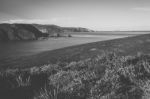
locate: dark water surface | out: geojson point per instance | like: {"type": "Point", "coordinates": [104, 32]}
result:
{"type": "Point", "coordinates": [16, 49]}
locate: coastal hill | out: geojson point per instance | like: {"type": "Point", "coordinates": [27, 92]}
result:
{"type": "Point", "coordinates": [52, 29]}
{"type": "Point", "coordinates": [19, 32]}
{"type": "Point", "coordinates": [33, 31]}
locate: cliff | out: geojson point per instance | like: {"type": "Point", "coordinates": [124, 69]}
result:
{"type": "Point", "coordinates": [19, 32]}
{"type": "Point", "coordinates": [34, 31]}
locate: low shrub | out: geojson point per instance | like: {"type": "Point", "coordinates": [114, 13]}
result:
{"type": "Point", "coordinates": [103, 77]}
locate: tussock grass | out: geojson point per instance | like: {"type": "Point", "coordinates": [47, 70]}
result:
{"type": "Point", "coordinates": [106, 76]}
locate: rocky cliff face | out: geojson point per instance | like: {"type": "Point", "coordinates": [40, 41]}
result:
{"type": "Point", "coordinates": [19, 32]}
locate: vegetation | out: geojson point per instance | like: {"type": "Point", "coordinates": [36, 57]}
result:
{"type": "Point", "coordinates": [123, 46]}
{"type": "Point", "coordinates": [114, 69]}
{"type": "Point", "coordinates": [106, 76]}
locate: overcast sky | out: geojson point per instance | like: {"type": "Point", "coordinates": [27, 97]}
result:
{"type": "Point", "coordinates": [93, 14]}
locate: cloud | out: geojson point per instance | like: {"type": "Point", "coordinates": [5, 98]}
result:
{"type": "Point", "coordinates": [40, 21]}
{"type": "Point", "coordinates": [142, 8]}
{"type": "Point", "coordinates": [24, 21]}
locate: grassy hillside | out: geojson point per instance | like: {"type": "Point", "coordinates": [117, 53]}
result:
{"type": "Point", "coordinates": [114, 69]}
{"type": "Point", "coordinates": [124, 46]}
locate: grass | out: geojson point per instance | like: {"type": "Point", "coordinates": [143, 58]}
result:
{"type": "Point", "coordinates": [106, 76]}
{"type": "Point", "coordinates": [47, 93]}
{"type": "Point", "coordinates": [80, 73]}
{"type": "Point", "coordinates": [123, 46]}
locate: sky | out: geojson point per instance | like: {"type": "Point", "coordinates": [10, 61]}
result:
{"type": "Point", "coordinates": [92, 14]}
